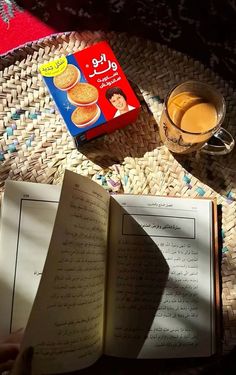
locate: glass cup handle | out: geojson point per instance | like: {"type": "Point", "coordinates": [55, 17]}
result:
{"type": "Point", "coordinates": [227, 143]}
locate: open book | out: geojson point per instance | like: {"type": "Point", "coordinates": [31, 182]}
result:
{"type": "Point", "coordinates": [27, 219]}
{"type": "Point", "coordinates": [125, 275]}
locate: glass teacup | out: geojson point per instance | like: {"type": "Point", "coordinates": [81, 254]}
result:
{"type": "Point", "coordinates": [193, 113]}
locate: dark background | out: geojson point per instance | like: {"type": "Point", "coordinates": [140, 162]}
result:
{"type": "Point", "coordinates": [203, 29]}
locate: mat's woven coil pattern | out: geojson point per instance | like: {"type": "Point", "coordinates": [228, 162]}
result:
{"type": "Point", "coordinates": [35, 145]}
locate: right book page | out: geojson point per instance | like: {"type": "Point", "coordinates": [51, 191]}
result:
{"type": "Point", "coordinates": [160, 283]}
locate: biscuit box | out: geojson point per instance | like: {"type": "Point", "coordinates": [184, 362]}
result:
{"type": "Point", "coordinates": [91, 92]}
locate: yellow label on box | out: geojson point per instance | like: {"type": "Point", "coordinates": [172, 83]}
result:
{"type": "Point", "coordinates": [53, 68]}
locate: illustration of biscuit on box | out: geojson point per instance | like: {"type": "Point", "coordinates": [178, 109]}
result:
{"type": "Point", "coordinates": [91, 92]}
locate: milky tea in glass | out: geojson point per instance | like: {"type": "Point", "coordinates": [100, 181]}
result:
{"type": "Point", "coordinates": [193, 113]}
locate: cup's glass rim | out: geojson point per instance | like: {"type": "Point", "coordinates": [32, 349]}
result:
{"type": "Point", "coordinates": [203, 84]}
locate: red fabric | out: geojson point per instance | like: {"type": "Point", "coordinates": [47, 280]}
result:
{"type": "Point", "coordinates": [24, 27]}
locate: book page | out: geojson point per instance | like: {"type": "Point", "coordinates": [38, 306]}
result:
{"type": "Point", "coordinates": [161, 294]}
{"type": "Point", "coordinates": [66, 323]}
{"type": "Point", "coordinates": [28, 214]}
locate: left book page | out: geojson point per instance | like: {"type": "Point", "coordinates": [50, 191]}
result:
{"type": "Point", "coordinates": [66, 322]}
{"type": "Point", "coordinates": [27, 218]}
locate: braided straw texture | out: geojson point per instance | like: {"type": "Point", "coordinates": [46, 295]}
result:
{"type": "Point", "coordinates": [35, 145]}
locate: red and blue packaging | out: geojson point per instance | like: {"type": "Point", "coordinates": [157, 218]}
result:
{"type": "Point", "coordinates": [91, 92]}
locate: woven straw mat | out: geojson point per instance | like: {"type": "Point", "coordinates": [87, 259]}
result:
{"type": "Point", "coordinates": [35, 145]}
